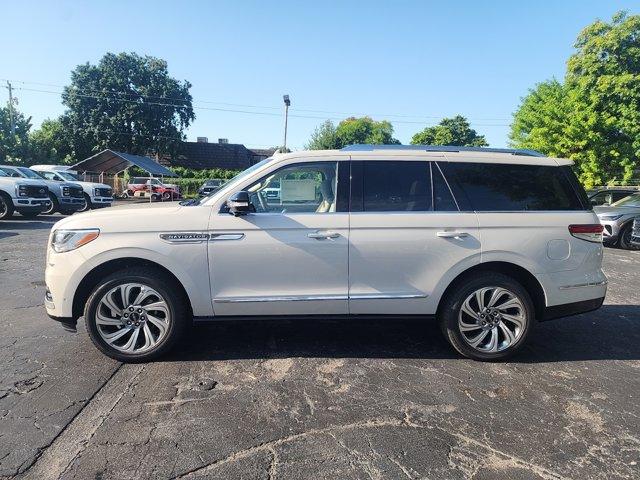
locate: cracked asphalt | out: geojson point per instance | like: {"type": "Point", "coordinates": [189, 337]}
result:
{"type": "Point", "coordinates": [324, 399]}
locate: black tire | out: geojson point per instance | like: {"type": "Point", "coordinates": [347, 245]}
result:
{"type": "Point", "coordinates": [449, 311]}
{"type": "Point", "coordinates": [54, 205]}
{"type": "Point", "coordinates": [87, 204]}
{"type": "Point", "coordinates": [166, 196]}
{"type": "Point", "coordinates": [159, 282]}
{"type": "Point", "coordinates": [6, 206]}
{"type": "Point", "coordinates": [625, 238]}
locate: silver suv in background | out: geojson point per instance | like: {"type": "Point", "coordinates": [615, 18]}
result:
{"type": "Point", "coordinates": [617, 220]}
{"type": "Point", "coordinates": [27, 197]}
{"type": "Point", "coordinates": [64, 197]}
{"type": "Point", "coordinates": [96, 195]}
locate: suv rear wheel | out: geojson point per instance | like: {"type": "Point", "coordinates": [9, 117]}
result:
{"type": "Point", "coordinates": [489, 316]}
{"type": "Point", "coordinates": [133, 316]}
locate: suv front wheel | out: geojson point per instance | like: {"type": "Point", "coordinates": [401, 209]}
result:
{"type": "Point", "coordinates": [487, 317]}
{"type": "Point", "coordinates": [134, 316]}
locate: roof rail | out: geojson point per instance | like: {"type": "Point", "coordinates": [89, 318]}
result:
{"type": "Point", "coordinates": [440, 148]}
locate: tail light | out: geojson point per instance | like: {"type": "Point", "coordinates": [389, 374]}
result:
{"type": "Point", "coordinates": [588, 232]}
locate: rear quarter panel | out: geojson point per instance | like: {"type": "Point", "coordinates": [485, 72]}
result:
{"type": "Point", "coordinates": [541, 243]}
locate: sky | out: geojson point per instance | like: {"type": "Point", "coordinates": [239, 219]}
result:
{"type": "Point", "coordinates": [409, 62]}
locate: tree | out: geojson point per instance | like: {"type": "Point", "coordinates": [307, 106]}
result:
{"type": "Point", "coordinates": [323, 137]}
{"type": "Point", "coordinates": [128, 103]}
{"type": "Point", "coordinates": [593, 117]}
{"type": "Point", "coordinates": [351, 131]}
{"type": "Point", "coordinates": [450, 131]}
{"type": "Point", "coordinates": [50, 143]}
{"type": "Point", "coordinates": [14, 146]}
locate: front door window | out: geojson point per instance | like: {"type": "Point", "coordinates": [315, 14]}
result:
{"type": "Point", "coordinates": [301, 188]}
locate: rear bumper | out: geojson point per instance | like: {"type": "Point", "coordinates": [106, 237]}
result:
{"type": "Point", "coordinates": [559, 311]}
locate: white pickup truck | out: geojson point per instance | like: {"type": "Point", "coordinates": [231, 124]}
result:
{"type": "Point", "coordinates": [25, 196]}
{"type": "Point", "coordinates": [96, 195]}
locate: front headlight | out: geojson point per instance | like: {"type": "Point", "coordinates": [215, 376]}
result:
{"type": "Point", "coordinates": [67, 240]}
{"type": "Point", "coordinates": [96, 192]}
{"type": "Point", "coordinates": [609, 218]}
{"type": "Point", "coordinates": [65, 191]}
{"type": "Point", "coordinates": [21, 190]}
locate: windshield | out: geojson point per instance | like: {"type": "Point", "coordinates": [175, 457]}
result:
{"type": "Point", "coordinates": [67, 175]}
{"type": "Point", "coordinates": [630, 201]}
{"type": "Point", "coordinates": [231, 183]}
{"type": "Point", "coordinates": [2, 173]}
{"type": "Point", "coordinates": [27, 172]}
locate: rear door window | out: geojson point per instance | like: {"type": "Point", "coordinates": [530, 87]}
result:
{"type": "Point", "coordinates": [509, 187]}
{"type": "Point", "coordinates": [396, 186]}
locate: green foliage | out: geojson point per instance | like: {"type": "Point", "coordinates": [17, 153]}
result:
{"type": "Point", "coordinates": [14, 147]}
{"type": "Point", "coordinates": [593, 117]}
{"type": "Point", "coordinates": [450, 131]}
{"type": "Point", "coordinates": [127, 103]}
{"type": "Point", "coordinates": [351, 131]}
{"type": "Point", "coordinates": [50, 144]}
{"type": "Point", "coordinates": [206, 174]}
{"type": "Point", "coordinates": [364, 130]}
{"type": "Point", "coordinates": [323, 137]}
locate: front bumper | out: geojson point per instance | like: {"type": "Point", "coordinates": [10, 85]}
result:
{"type": "Point", "coordinates": [101, 202]}
{"type": "Point", "coordinates": [611, 231]}
{"type": "Point", "coordinates": [71, 204]}
{"type": "Point", "coordinates": [31, 205]}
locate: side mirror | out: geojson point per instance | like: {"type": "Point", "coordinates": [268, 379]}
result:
{"type": "Point", "coordinates": [239, 204]}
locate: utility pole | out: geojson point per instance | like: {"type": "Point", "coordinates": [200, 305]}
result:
{"type": "Point", "coordinates": [287, 103]}
{"type": "Point", "coordinates": [11, 116]}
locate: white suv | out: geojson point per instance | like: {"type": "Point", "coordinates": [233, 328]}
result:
{"type": "Point", "coordinates": [487, 241]}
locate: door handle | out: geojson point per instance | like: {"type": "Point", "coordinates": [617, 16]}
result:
{"type": "Point", "coordinates": [447, 234]}
{"type": "Point", "coordinates": [323, 235]}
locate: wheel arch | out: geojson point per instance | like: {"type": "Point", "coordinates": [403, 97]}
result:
{"type": "Point", "coordinates": [91, 279]}
{"type": "Point", "coordinates": [517, 272]}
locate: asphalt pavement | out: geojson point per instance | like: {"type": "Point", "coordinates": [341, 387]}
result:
{"type": "Point", "coordinates": [323, 399]}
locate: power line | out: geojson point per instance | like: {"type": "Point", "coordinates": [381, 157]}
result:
{"type": "Point", "coordinates": [230, 110]}
{"type": "Point", "coordinates": [112, 95]}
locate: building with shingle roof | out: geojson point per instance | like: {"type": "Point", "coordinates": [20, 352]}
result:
{"type": "Point", "coordinates": [204, 155]}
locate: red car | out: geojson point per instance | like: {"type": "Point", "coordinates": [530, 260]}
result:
{"type": "Point", "coordinates": [159, 190]}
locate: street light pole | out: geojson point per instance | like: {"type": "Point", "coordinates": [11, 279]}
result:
{"type": "Point", "coordinates": [287, 103]}
{"type": "Point", "coordinates": [11, 116]}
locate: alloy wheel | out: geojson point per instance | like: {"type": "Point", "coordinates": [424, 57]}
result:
{"type": "Point", "coordinates": [492, 319]}
{"type": "Point", "coordinates": [133, 318]}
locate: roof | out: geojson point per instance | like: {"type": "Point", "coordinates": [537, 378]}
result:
{"type": "Point", "coordinates": [441, 148]}
{"type": "Point", "coordinates": [455, 154]}
{"type": "Point", "coordinates": [204, 155]}
{"type": "Point", "coordinates": [110, 161]}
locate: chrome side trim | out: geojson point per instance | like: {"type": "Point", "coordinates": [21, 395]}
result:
{"type": "Point", "coordinates": [296, 298]}
{"type": "Point", "coordinates": [584, 285]}
{"type": "Point", "coordinates": [226, 236]}
{"type": "Point", "coordinates": [184, 237]}
{"type": "Point", "coordinates": [381, 296]}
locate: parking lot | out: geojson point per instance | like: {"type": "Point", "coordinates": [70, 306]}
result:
{"type": "Point", "coordinates": [323, 399]}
